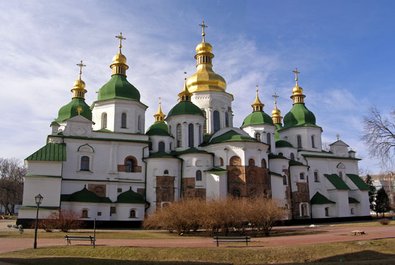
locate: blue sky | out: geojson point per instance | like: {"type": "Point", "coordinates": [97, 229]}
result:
{"type": "Point", "coordinates": [345, 51]}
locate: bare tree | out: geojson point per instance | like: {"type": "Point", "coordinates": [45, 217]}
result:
{"type": "Point", "coordinates": [379, 135]}
{"type": "Point", "coordinates": [11, 183]}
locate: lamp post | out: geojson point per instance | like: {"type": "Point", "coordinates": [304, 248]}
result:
{"type": "Point", "coordinates": [38, 198]}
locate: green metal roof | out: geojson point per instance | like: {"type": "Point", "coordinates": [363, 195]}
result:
{"type": "Point", "coordinates": [352, 200]}
{"type": "Point", "coordinates": [299, 115]}
{"type": "Point", "coordinates": [231, 136]}
{"type": "Point", "coordinates": [130, 197]}
{"type": "Point", "coordinates": [161, 155]}
{"type": "Point", "coordinates": [337, 181]}
{"type": "Point", "coordinates": [191, 150]}
{"type": "Point", "coordinates": [216, 169]}
{"type": "Point", "coordinates": [158, 128]}
{"type": "Point", "coordinates": [185, 107]}
{"type": "Point", "coordinates": [118, 87]}
{"type": "Point", "coordinates": [318, 198]}
{"type": "Point", "coordinates": [283, 143]}
{"type": "Point", "coordinates": [257, 118]}
{"type": "Point", "coordinates": [50, 152]}
{"type": "Point", "coordinates": [84, 195]}
{"type": "Point", "coordinates": [75, 107]}
{"type": "Point", "coordinates": [295, 163]}
{"type": "Point", "coordinates": [358, 182]}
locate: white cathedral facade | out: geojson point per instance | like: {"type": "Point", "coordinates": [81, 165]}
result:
{"type": "Point", "coordinates": [100, 163]}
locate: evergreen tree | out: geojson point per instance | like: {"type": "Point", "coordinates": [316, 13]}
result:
{"type": "Point", "coordinates": [382, 202]}
{"type": "Point", "coordinates": [371, 192]}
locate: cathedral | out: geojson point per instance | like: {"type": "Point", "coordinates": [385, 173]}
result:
{"type": "Point", "coordinates": [100, 163]}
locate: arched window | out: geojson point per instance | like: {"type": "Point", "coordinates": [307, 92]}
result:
{"type": "Point", "coordinates": [191, 135]}
{"type": "Point", "coordinates": [258, 136]}
{"type": "Point", "coordinates": [316, 176]}
{"type": "Point", "coordinates": [326, 211]}
{"type": "Point", "coordinates": [130, 164]}
{"type": "Point", "coordinates": [217, 124]}
{"type": "Point", "coordinates": [235, 161]}
{"type": "Point", "coordinates": [123, 120]}
{"type": "Point", "coordinates": [198, 175]}
{"type": "Point", "coordinates": [200, 134]}
{"type": "Point", "coordinates": [132, 213]}
{"type": "Point", "coordinates": [178, 135]}
{"type": "Point", "coordinates": [263, 163]}
{"type": "Point", "coordinates": [84, 213]}
{"type": "Point", "coordinates": [226, 119]}
{"type": "Point", "coordinates": [104, 120]}
{"type": "Point", "coordinates": [221, 162]}
{"type": "Point", "coordinates": [161, 146]}
{"type": "Point", "coordinates": [84, 163]}
{"type": "Point", "coordinates": [340, 169]}
{"type": "Point", "coordinates": [268, 139]}
{"type": "Point", "coordinates": [166, 172]}
{"type": "Point", "coordinates": [292, 156]}
{"type": "Point", "coordinates": [312, 141]}
{"type": "Point", "coordinates": [303, 210]}
{"type": "Point", "coordinates": [301, 176]}
{"type": "Point", "coordinates": [251, 162]}
{"type": "Point", "coordinates": [299, 141]}
{"type": "Point", "coordinates": [352, 211]}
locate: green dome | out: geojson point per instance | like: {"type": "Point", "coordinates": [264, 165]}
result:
{"type": "Point", "coordinates": [130, 197]}
{"type": "Point", "coordinates": [84, 195]}
{"type": "Point", "coordinates": [257, 118]}
{"type": "Point", "coordinates": [185, 107]}
{"type": "Point", "coordinates": [299, 115]}
{"type": "Point", "coordinates": [158, 128]}
{"type": "Point", "coordinates": [118, 88]}
{"type": "Point", "coordinates": [76, 105]}
{"type": "Point", "coordinates": [283, 143]}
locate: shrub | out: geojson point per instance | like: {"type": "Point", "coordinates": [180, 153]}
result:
{"type": "Point", "coordinates": [63, 220]}
{"type": "Point", "coordinates": [384, 221]}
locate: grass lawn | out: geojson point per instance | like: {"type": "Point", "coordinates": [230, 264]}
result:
{"type": "Point", "coordinates": [358, 252]}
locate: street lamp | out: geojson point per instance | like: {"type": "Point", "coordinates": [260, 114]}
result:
{"type": "Point", "coordinates": [38, 198]}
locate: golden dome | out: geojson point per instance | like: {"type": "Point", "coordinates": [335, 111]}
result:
{"type": "Point", "coordinates": [78, 89]}
{"type": "Point", "coordinates": [257, 105]}
{"type": "Point", "coordinates": [159, 115]}
{"type": "Point", "coordinates": [205, 79]}
{"type": "Point", "coordinates": [276, 113]}
{"type": "Point", "coordinates": [297, 91]}
{"type": "Point", "coordinates": [119, 58]}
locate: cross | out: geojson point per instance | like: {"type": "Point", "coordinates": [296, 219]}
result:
{"type": "Point", "coordinates": [80, 65]}
{"type": "Point", "coordinates": [338, 136]}
{"type": "Point", "coordinates": [160, 101]}
{"type": "Point", "coordinates": [203, 33]}
{"type": "Point", "coordinates": [185, 76]}
{"type": "Point", "coordinates": [275, 96]}
{"type": "Point", "coordinates": [296, 72]}
{"type": "Point", "coordinates": [121, 38]}
{"type": "Point", "coordinates": [257, 89]}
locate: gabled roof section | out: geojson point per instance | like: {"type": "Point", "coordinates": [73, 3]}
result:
{"type": "Point", "coordinates": [84, 195]}
{"type": "Point", "coordinates": [337, 181]}
{"type": "Point", "coordinates": [339, 142]}
{"type": "Point", "coordinates": [49, 152]}
{"type": "Point", "coordinates": [358, 181]}
{"type": "Point", "coordinates": [318, 198]}
{"type": "Point", "coordinates": [231, 136]}
{"type": "Point", "coordinates": [130, 197]}
{"type": "Point", "coordinates": [352, 200]}
{"type": "Point", "coordinates": [191, 150]}
{"type": "Point", "coordinates": [295, 163]}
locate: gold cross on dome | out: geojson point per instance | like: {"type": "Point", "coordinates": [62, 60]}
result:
{"type": "Point", "coordinates": [121, 38]}
{"type": "Point", "coordinates": [257, 88]}
{"type": "Point", "coordinates": [203, 31]}
{"type": "Point", "coordinates": [80, 65]}
{"type": "Point", "coordinates": [296, 72]}
{"type": "Point", "coordinates": [275, 96]}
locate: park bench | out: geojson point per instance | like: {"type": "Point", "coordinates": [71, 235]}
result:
{"type": "Point", "coordinates": [91, 239]}
{"type": "Point", "coordinates": [358, 232]}
{"type": "Point", "coordinates": [221, 239]}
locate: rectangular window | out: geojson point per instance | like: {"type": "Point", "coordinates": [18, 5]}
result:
{"type": "Point", "coordinates": [119, 190]}
{"type": "Point", "coordinates": [98, 213]}
{"type": "Point", "coordinates": [113, 210]}
{"type": "Point", "coordinates": [326, 211]}
{"type": "Point", "coordinates": [316, 177]}
{"type": "Point", "coordinates": [299, 140]}
{"type": "Point", "coordinates": [301, 176]}
{"type": "Point", "coordinates": [312, 141]}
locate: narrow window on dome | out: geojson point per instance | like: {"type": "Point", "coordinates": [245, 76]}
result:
{"type": "Point", "coordinates": [216, 121]}
{"type": "Point", "coordinates": [191, 135]}
{"type": "Point", "coordinates": [299, 140]}
{"type": "Point", "coordinates": [123, 120]}
{"type": "Point", "coordinates": [161, 146]}
{"type": "Point", "coordinates": [104, 120]}
{"type": "Point", "coordinates": [178, 135]}
{"type": "Point", "coordinates": [312, 141]}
